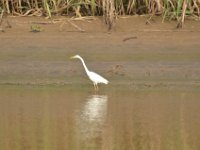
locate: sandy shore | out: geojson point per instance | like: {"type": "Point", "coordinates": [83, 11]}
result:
{"type": "Point", "coordinates": [133, 53]}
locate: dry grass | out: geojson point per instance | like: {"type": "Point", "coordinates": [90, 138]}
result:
{"type": "Point", "coordinates": [169, 9]}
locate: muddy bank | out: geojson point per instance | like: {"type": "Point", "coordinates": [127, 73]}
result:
{"type": "Point", "coordinates": [133, 53]}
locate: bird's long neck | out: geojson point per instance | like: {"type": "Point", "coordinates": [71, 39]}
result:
{"type": "Point", "coordinates": [85, 67]}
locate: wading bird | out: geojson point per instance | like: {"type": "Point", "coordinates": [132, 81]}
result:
{"type": "Point", "coordinates": [94, 77]}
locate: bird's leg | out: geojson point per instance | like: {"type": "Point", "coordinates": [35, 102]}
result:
{"type": "Point", "coordinates": [95, 87]}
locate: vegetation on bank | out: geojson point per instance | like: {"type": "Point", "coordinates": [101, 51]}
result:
{"type": "Point", "coordinates": [168, 9]}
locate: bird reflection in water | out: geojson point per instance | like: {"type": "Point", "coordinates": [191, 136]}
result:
{"type": "Point", "coordinates": [91, 120]}
{"type": "Point", "coordinates": [95, 108]}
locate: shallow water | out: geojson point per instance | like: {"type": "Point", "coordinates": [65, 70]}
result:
{"type": "Point", "coordinates": [63, 118]}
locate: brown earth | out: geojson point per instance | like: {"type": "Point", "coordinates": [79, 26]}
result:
{"type": "Point", "coordinates": [133, 53]}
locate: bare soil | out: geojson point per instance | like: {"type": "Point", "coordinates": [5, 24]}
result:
{"type": "Point", "coordinates": [133, 53]}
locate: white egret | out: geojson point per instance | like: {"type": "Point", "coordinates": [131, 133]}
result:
{"type": "Point", "coordinates": [94, 77]}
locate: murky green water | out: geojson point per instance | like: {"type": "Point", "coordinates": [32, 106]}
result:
{"type": "Point", "coordinates": [63, 118]}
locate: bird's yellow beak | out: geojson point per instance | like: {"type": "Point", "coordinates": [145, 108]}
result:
{"type": "Point", "coordinates": [72, 57]}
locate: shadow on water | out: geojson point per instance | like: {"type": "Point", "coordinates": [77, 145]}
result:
{"type": "Point", "coordinates": [61, 118]}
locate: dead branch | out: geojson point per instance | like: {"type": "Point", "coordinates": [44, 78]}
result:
{"type": "Point", "coordinates": [1, 17]}
{"type": "Point", "coordinates": [109, 13]}
{"type": "Point", "coordinates": [77, 27]}
{"type": "Point", "coordinates": [181, 21]}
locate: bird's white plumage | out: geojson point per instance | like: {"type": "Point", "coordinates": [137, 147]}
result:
{"type": "Point", "coordinates": [97, 78]}
{"type": "Point", "coordinates": [94, 77]}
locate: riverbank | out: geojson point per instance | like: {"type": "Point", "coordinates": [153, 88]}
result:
{"type": "Point", "coordinates": [133, 53]}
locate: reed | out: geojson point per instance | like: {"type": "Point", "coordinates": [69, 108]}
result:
{"type": "Point", "coordinates": [169, 9]}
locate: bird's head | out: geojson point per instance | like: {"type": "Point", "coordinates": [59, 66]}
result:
{"type": "Point", "coordinates": [75, 56]}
